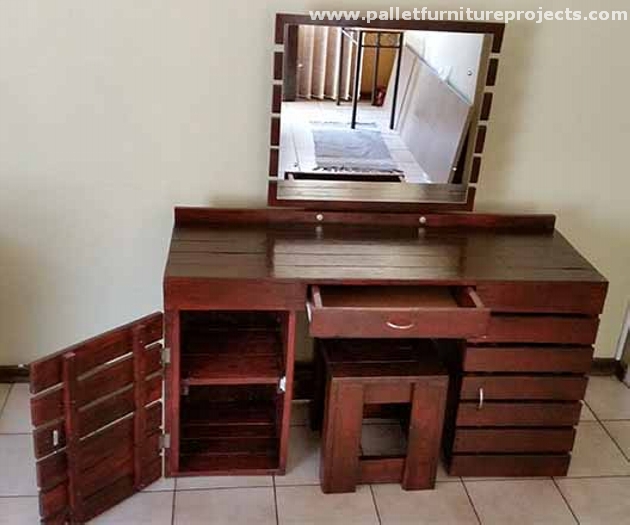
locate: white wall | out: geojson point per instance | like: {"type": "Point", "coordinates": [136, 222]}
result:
{"type": "Point", "coordinates": [112, 112]}
{"type": "Point", "coordinates": [452, 56]}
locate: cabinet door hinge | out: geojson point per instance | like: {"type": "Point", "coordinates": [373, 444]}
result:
{"type": "Point", "coordinates": [166, 356]}
{"type": "Point", "coordinates": [165, 441]}
{"type": "Point", "coordinates": [282, 385]}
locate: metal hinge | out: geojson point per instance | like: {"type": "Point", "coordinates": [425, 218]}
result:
{"type": "Point", "coordinates": [166, 356]}
{"type": "Point", "coordinates": [282, 385]}
{"type": "Point", "coordinates": [165, 441]}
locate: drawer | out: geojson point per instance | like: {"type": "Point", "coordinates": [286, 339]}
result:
{"type": "Point", "coordinates": [505, 414]}
{"type": "Point", "coordinates": [544, 329]}
{"type": "Point", "coordinates": [473, 440]}
{"type": "Point", "coordinates": [396, 312]}
{"type": "Point", "coordinates": [483, 388]}
{"type": "Point", "coordinates": [569, 359]}
{"type": "Point", "coordinates": [508, 465]}
{"type": "Point", "coordinates": [558, 298]}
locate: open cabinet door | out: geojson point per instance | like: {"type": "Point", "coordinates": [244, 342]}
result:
{"type": "Point", "coordinates": [97, 413]}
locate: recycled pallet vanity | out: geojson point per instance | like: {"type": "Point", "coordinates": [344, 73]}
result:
{"type": "Point", "coordinates": [512, 307]}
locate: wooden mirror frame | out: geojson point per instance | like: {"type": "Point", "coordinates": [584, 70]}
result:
{"type": "Point", "coordinates": [469, 166]}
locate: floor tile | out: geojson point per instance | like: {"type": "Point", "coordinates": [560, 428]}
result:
{"type": "Point", "coordinates": [447, 504]}
{"type": "Point", "coordinates": [16, 416]}
{"type": "Point", "coordinates": [381, 440]}
{"type": "Point", "coordinates": [604, 501]}
{"type": "Point", "coordinates": [608, 398]}
{"type": "Point", "coordinates": [303, 460]}
{"type": "Point", "coordinates": [225, 507]}
{"type": "Point", "coordinates": [309, 505]}
{"type": "Point", "coordinates": [161, 485]}
{"type": "Point", "coordinates": [19, 511]}
{"type": "Point", "coordinates": [223, 482]}
{"type": "Point", "coordinates": [620, 431]}
{"type": "Point", "coordinates": [587, 414]}
{"type": "Point", "coordinates": [595, 454]}
{"type": "Point", "coordinates": [519, 501]}
{"type": "Point", "coordinates": [153, 508]}
{"type": "Point", "coordinates": [17, 466]}
{"type": "Point", "coordinates": [4, 392]}
{"type": "Point", "coordinates": [299, 413]}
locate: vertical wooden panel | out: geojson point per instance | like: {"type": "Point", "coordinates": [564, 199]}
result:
{"type": "Point", "coordinates": [278, 58]}
{"type": "Point", "coordinates": [276, 99]}
{"type": "Point", "coordinates": [476, 170]}
{"type": "Point", "coordinates": [275, 131]}
{"type": "Point", "coordinates": [274, 154]}
{"type": "Point", "coordinates": [139, 417]}
{"type": "Point", "coordinates": [71, 416]}
{"type": "Point", "coordinates": [171, 422]}
{"type": "Point", "coordinates": [493, 69]}
{"type": "Point", "coordinates": [486, 106]}
{"type": "Point", "coordinates": [481, 139]}
{"type": "Point", "coordinates": [289, 361]}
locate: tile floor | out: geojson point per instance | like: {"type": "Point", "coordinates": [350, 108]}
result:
{"type": "Point", "coordinates": [597, 489]}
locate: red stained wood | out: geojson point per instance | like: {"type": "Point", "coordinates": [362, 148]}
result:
{"type": "Point", "coordinates": [274, 159]}
{"type": "Point", "coordinates": [528, 359]}
{"type": "Point", "coordinates": [486, 106]}
{"type": "Point", "coordinates": [493, 69]}
{"type": "Point", "coordinates": [275, 131]}
{"type": "Point", "coordinates": [481, 139]}
{"type": "Point", "coordinates": [276, 100]}
{"type": "Point", "coordinates": [46, 372]}
{"type": "Point", "coordinates": [507, 465]}
{"type": "Point", "coordinates": [570, 298]}
{"type": "Point", "coordinates": [381, 470]}
{"type": "Point", "coordinates": [513, 441]}
{"type": "Point", "coordinates": [475, 170]}
{"type": "Point", "coordinates": [524, 387]}
{"type": "Point", "coordinates": [541, 329]}
{"type": "Point", "coordinates": [278, 59]}
{"type": "Point", "coordinates": [512, 414]}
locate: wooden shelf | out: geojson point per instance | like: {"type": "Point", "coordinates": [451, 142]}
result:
{"type": "Point", "coordinates": [232, 358]}
{"type": "Point", "coordinates": [229, 437]}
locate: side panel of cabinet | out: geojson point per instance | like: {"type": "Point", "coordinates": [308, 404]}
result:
{"type": "Point", "coordinates": [97, 415]}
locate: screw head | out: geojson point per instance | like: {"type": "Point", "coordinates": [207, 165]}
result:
{"type": "Point", "coordinates": [422, 220]}
{"type": "Point", "coordinates": [319, 217]}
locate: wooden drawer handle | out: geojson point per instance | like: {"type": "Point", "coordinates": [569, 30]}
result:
{"type": "Point", "coordinates": [480, 405]}
{"type": "Point", "coordinates": [400, 326]}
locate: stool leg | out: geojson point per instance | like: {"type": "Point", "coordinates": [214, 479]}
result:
{"type": "Point", "coordinates": [341, 439]}
{"type": "Point", "coordinates": [425, 433]}
{"type": "Point", "coordinates": [316, 409]}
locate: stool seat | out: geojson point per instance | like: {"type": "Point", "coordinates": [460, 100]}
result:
{"type": "Point", "coordinates": [414, 376]}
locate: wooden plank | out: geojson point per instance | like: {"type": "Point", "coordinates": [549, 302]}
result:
{"type": "Point", "coordinates": [509, 465]}
{"type": "Point", "coordinates": [572, 359]}
{"type": "Point", "coordinates": [71, 418]}
{"type": "Point", "coordinates": [509, 414]}
{"type": "Point", "coordinates": [486, 106]}
{"type": "Point", "coordinates": [541, 329]}
{"type": "Point", "coordinates": [54, 502]}
{"type": "Point", "coordinates": [278, 59]}
{"type": "Point", "coordinates": [381, 469]}
{"type": "Point", "coordinates": [275, 131]}
{"type": "Point", "coordinates": [524, 387]}
{"type": "Point", "coordinates": [46, 372]}
{"type": "Point", "coordinates": [513, 441]}
{"type": "Point", "coordinates": [576, 298]}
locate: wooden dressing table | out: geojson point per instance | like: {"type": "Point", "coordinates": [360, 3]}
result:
{"type": "Point", "coordinates": [514, 309]}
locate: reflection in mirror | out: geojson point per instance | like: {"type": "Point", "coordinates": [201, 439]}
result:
{"type": "Point", "coordinates": [379, 106]}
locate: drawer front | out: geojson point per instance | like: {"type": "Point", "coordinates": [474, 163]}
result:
{"type": "Point", "coordinates": [559, 298]}
{"type": "Point", "coordinates": [384, 317]}
{"type": "Point", "coordinates": [470, 440]}
{"type": "Point", "coordinates": [484, 388]}
{"type": "Point", "coordinates": [572, 359]}
{"type": "Point", "coordinates": [505, 414]}
{"type": "Point", "coordinates": [508, 465]}
{"type": "Point", "coordinates": [541, 329]}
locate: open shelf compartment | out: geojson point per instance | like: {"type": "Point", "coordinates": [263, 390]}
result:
{"type": "Point", "coordinates": [230, 430]}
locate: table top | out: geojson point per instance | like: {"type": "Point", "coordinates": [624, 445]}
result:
{"type": "Point", "coordinates": [370, 253]}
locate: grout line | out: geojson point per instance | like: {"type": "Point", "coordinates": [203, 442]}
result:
{"type": "Point", "coordinates": [173, 505]}
{"type": "Point", "coordinates": [610, 436]}
{"type": "Point", "coordinates": [226, 488]}
{"type": "Point", "coordinates": [378, 514]}
{"type": "Point", "coordinates": [471, 502]}
{"type": "Point", "coordinates": [15, 433]}
{"type": "Point", "coordinates": [565, 500]}
{"type": "Point", "coordinates": [6, 399]}
{"type": "Point", "coordinates": [275, 499]}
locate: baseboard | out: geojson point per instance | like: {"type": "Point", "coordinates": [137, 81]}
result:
{"type": "Point", "coordinates": [608, 367]}
{"type": "Point", "coordinates": [14, 374]}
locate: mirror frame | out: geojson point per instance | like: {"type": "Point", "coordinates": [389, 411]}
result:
{"type": "Point", "coordinates": [414, 197]}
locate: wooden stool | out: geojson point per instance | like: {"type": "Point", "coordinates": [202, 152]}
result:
{"type": "Point", "coordinates": [356, 377]}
